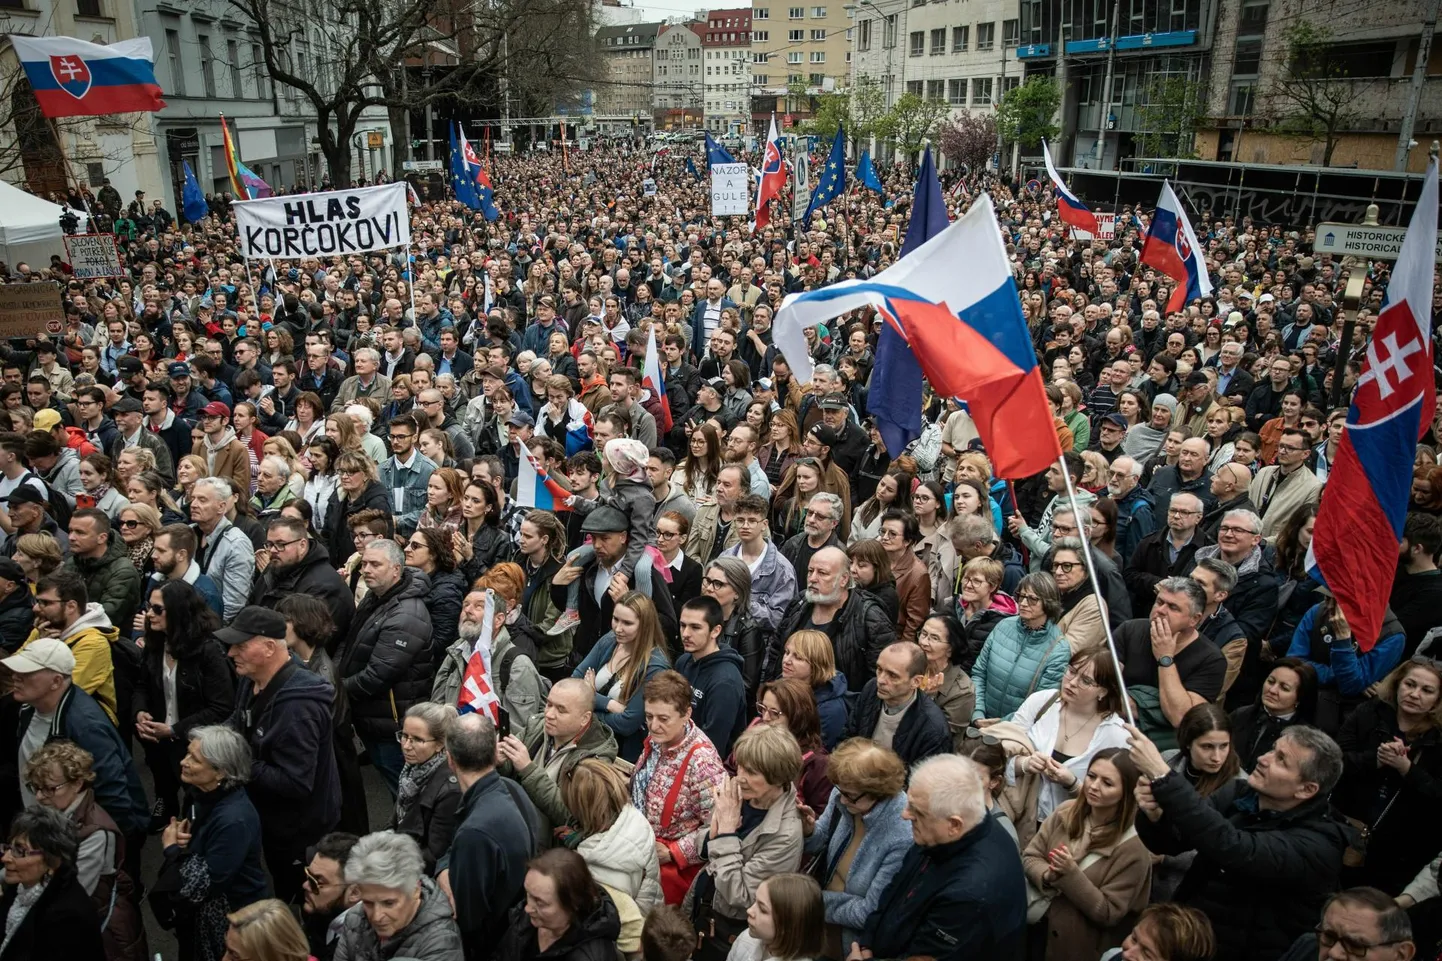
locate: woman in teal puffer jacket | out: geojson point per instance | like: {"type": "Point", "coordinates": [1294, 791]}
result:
{"type": "Point", "coordinates": [1023, 654]}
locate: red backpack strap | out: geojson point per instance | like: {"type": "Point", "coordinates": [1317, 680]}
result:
{"type": "Point", "coordinates": [668, 809]}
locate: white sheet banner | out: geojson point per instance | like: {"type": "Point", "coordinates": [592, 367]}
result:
{"type": "Point", "coordinates": [330, 224]}
{"type": "Point", "coordinates": [729, 189]}
{"type": "Point", "coordinates": [93, 255]}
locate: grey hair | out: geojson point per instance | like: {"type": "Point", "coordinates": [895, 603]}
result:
{"type": "Point", "coordinates": [48, 831]}
{"type": "Point", "coordinates": [445, 379]}
{"type": "Point", "coordinates": [1075, 545]}
{"type": "Point", "coordinates": [1135, 470]}
{"type": "Point", "coordinates": [1324, 767]}
{"type": "Point", "coordinates": [1197, 500]}
{"type": "Point", "coordinates": [973, 529]}
{"type": "Point", "coordinates": [1196, 596]}
{"type": "Point", "coordinates": [219, 485]}
{"type": "Point", "coordinates": [1083, 520]}
{"type": "Point", "coordinates": [386, 859]}
{"type": "Point", "coordinates": [826, 497]}
{"type": "Point", "coordinates": [955, 787]}
{"type": "Point", "coordinates": [277, 464]}
{"type": "Point", "coordinates": [471, 743]}
{"type": "Point", "coordinates": [393, 552]}
{"type": "Point", "coordinates": [1254, 521]}
{"type": "Point", "coordinates": [361, 413]}
{"type": "Point", "coordinates": [437, 718]}
{"type": "Point", "coordinates": [738, 574]}
{"type": "Point", "coordinates": [1043, 585]}
{"type": "Point", "coordinates": [824, 370]}
{"type": "Point", "coordinates": [226, 751]}
{"type": "Point", "coordinates": [1225, 573]}
{"type": "Point", "coordinates": [369, 353]}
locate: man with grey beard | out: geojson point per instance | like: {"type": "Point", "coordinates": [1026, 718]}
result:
{"type": "Point", "coordinates": [854, 621]}
{"type": "Point", "coordinates": [513, 661]}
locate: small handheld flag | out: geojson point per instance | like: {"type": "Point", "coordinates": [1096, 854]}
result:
{"type": "Point", "coordinates": [715, 153]}
{"type": "Point", "coordinates": [536, 488]}
{"type": "Point", "coordinates": [1069, 207]}
{"type": "Point", "coordinates": [192, 198]}
{"type": "Point", "coordinates": [477, 692]}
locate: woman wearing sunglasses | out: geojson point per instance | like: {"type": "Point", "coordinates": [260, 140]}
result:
{"type": "Point", "coordinates": [1083, 614]}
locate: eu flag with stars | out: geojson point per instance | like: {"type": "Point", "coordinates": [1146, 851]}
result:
{"type": "Point", "coordinates": [472, 186]}
{"type": "Point", "coordinates": [832, 181]}
{"type": "Point", "coordinates": [715, 153]}
{"type": "Point", "coordinates": [192, 198]}
{"type": "Point", "coordinates": [691, 168]}
{"type": "Point", "coordinates": [866, 173]}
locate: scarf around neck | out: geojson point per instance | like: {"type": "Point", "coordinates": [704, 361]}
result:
{"type": "Point", "coordinates": [413, 778]}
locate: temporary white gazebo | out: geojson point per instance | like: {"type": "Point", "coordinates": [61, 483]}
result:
{"type": "Point", "coordinates": [30, 227]}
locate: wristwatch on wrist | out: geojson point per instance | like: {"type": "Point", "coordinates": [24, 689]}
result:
{"type": "Point", "coordinates": [1166, 660]}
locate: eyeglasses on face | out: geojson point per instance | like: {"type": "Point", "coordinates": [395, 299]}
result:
{"type": "Point", "coordinates": [19, 850]}
{"type": "Point", "coordinates": [1327, 939]}
{"type": "Point", "coordinates": [276, 546]}
{"type": "Point", "coordinates": [130, 525]}
{"type": "Point", "coordinates": [403, 738]}
{"type": "Point", "coordinates": [157, 609]}
{"type": "Point", "coordinates": [1233, 529]}
{"type": "Point", "coordinates": [768, 713]}
{"type": "Point", "coordinates": [1181, 512]}
{"type": "Point", "coordinates": [714, 583]}
{"type": "Point", "coordinates": [1028, 599]}
{"type": "Point", "coordinates": [1064, 567]}
{"type": "Point", "coordinates": [46, 790]}
{"type": "Point", "coordinates": [1079, 677]}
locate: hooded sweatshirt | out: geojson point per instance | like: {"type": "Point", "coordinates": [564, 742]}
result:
{"type": "Point", "coordinates": [89, 639]}
{"type": "Point", "coordinates": [718, 695]}
{"type": "Point", "coordinates": [213, 448]}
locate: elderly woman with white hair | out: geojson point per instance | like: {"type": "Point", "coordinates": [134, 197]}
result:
{"type": "Point", "coordinates": [403, 913]}
{"type": "Point", "coordinates": [272, 488]}
{"type": "Point", "coordinates": [212, 855]}
{"type": "Point", "coordinates": [364, 418]}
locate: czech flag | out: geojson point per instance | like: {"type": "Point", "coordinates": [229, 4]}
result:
{"type": "Point", "coordinates": [654, 381]}
{"type": "Point", "coordinates": [1069, 207]}
{"type": "Point", "coordinates": [773, 178]}
{"type": "Point", "coordinates": [1364, 505]}
{"type": "Point", "coordinates": [72, 78]}
{"type": "Point", "coordinates": [477, 692]}
{"type": "Point", "coordinates": [954, 300]}
{"type": "Point", "coordinates": [1172, 247]}
{"type": "Point", "coordinates": [537, 489]}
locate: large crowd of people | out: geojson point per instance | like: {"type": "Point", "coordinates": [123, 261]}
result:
{"type": "Point", "coordinates": [764, 688]}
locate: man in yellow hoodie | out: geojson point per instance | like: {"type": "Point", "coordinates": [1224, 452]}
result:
{"type": "Point", "coordinates": [63, 610]}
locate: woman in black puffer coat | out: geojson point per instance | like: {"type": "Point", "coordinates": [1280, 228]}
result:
{"type": "Point", "coordinates": [430, 551]}
{"type": "Point", "coordinates": [566, 915]}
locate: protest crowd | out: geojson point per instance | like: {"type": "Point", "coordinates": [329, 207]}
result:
{"type": "Point", "coordinates": [762, 687]}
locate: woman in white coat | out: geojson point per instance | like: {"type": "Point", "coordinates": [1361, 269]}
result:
{"type": "Point", "coordinates": [618, 843]}
{"type": "Point", "coordinates": [1067, 727]}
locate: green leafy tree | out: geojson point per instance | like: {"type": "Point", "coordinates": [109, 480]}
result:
{"type": "Point", "coordinates": [830, 110]}
{"type": "Point", "coordinates": [868, 107]}
{"type": "Point", "coordinates": [911, 120]}
{"type": "Point", "coordinates": [1313, 99]}
{"type": "Point", "coordinates": [969, 139]}
{"type": "Point", "coordinates": [1168, 118]}
{"type": "Point", "coordinates": [1027, 114]}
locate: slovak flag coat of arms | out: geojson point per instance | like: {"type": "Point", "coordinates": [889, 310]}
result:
{"type": "Point", "coordinates": [1364, 505]}
{"type": "Point", "coordinates": [72, 78]}
{"type": "Point", "coordinates": [773, 178]}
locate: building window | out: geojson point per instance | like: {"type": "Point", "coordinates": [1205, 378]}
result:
{"type": "Point", "coordinates": [818, 13]}
{"type": "Point", "coordinates": [956, 93]}
{"type": "Point", "coordinates": [889, 40]}
{"type": "Point", "coordinates": [761, 36]}
{"type": "Point", "coordinates": [818, 35]}
{"type": "Point", "coordinates": [918, 43]}
{"type": "Point", "coordinates": [207, 64]}
{"type": "Point", "coordinates": [177, 65]}
{"type": "Point", "coordinates": [914, 86]}
{"type": "Point", "coordinates": [760, 79]}
{"type": "Point", "coordinates": [257, 63]}
{"type": "Point", "coordinates": [232, 53]}
{"type": "Point", "coordinates": [1242, 99]}
{"type": "Point", "coordinates": [938, 41]}
{"type": "Point", "coordinates": [795, 36]}
{"type": "Point", "coordinates": [1248, 57]}
{"type": "Point", "coordinates": [959, 39]}
{"type": "Point", "coordinates": [935, 89]}
{"type": "Point", "coordinates": [981, 92]}
{"type": "Point", "coordinates": [761, 13]}
{"type": "Point", "coordinates": [87, 8]}
{"type": "Point", "coordinates": [1008, 84]}
{"type": "Point", "coordinates": [863, 36]}
{"type": "Point", "coordinates": [794, 57]}
{"type": "Point", "coordinates": [796, 13]}
{"type": "Point", "coordinates": [985, 36]}
{"type": "Point", "coordinates": [1010, 33]}
{"type": "Point", "coordinates": [818, 56]}
{"type": "Point", "coordinates": [760, 57]}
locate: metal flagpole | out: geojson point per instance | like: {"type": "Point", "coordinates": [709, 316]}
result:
{"type": "Point", "coordinates": [1096, 586]}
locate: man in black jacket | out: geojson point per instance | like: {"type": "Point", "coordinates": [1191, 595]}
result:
{"type": "Point", "coordinates": [1253, 602]}
{"type": "Point", "coordinates": [388, 661]}
{"type": "Point", "coordinates": [484, 871]}
{"type": "Point", "coordinates": [284, 711]}
{"type": "Point", "coordinates": [292, 563]}
{"type": "Point", "coordinates": [851, 618]}
{"type": "Point", "coordinates": [894, 712]}
{"type": "Point", "coordinates": [1268, 851]}
{"type": "Point", "coordinates": [1164, 553]}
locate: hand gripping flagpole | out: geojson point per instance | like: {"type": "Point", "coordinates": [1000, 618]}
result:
{"type": "Point", "coordinates": [1096, 586]}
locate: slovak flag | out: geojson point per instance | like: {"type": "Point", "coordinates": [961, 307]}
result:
{"type": "Point", "coordinates": [535, 488]}
{"type": "Point", "coordinates": [477, 692]}
{"type": "Point", "coordinates": [773, 178]}
{"type": "Point", "coordinates": [1364, 505]}
{"type": "Point", "coordinates": [1069, 207]}
{"type": "Point", "coordinates": [1172, 247]}
{"type": "Point", "coordinates": [73, 78]}
{"type": "Point", "coordinates": [654, 380]}
{"type": "Point", "coordinates": [954, 301]}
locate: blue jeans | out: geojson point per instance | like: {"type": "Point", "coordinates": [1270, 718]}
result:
{"type": "Point", "coordinates": [385, 755]}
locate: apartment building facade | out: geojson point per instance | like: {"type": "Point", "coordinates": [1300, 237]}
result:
{"type": "Point", "coordinates": [679, 92]}
{"type": "Point", "coordinates": [726, 70]}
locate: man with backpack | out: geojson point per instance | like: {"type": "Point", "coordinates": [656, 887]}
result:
{"type": "Point", "coordinates": [518, 682]}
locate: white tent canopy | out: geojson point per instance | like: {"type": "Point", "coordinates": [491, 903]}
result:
{"type": "Point", "coordinates": [30, 227]}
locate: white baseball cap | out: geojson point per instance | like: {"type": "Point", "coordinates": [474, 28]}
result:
{"type": "Point", "coordinates": [42, 654]}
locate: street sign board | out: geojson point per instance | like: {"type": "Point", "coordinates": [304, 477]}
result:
{"type": "Point", "coordinates": [423, 166]}
{"type": "Point", "coordinates": [1361, 240]}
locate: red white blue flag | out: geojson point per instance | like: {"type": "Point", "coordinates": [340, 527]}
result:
{"type": "Point", "coordinates": [654, 380]}
{"type": "Point", "coordinates": [477, 692]}
{"type": "Point", "coordinates": [535, 488]}
{"type": "Point", "coordinates": [1069, 207]}
{"type": "Point", "coordinates": [1172, 247]}
{"type": "Point", "coordinates": [73, 78]}
{"type": "Point", "coordinates": [773, 178]}
{"type": "Point", "coordinates": [1364, 505]}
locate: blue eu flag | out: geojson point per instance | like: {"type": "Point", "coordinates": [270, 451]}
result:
{"type": "Point", "coordinates": [691, 168]}
{"type": "Point", "coordinates": [715, 153]}
{"type": "Point", "coordinates": [463, 178]}
{"type": "Point", "coordinates": [866, 174]}
{"type": "Point", "coordinates": [832, 181]}
{"type": "Point", "coordinates": [192, 198]}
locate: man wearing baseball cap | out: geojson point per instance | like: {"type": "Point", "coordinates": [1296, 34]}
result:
{"type": "Point", "coordinates": [225, 456]}
{"type": "Point", "coordinates": [186, 401]}
{"type": "Point", "coordinates": [53, 708]}
{"type": "Point", "coordinates": [285, 712]}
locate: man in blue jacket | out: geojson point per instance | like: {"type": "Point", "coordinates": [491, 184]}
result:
{"type": "Point", "coordinates": [960, 893]}
{"type": "Point", "coordinates": [718, 691]}
{"type": "Point", "coordinates": [284, 711]}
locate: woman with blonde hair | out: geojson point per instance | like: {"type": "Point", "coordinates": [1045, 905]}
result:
{"type": "Point", "coordinates": [341, 428]}
{"type": "Point", "coordinates": [138, 524]}
{"type": "Point", "coordinates": [808, 656]}
{"type": "Point", "coordinates": [188, 470]}
{"type": "Point", "coordinates": [38, 555]}
{"type": "Point", "coordinates": [617, 841]}
{"type": "Point", "coordinates": [619, 665]}
{"type": "Point", "coordinates": [358, 489]}
{"type": "Point", "coordinates": [265, 931]}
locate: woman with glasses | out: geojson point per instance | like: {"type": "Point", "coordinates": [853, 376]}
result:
{"type": "Point", "coordinates": [212, 855]}
{"type": "Point", "coordinates": [429, 551]}
{"type": "Point", "coordinates": [358, 489]}
{"type": "Point", "coordinates": [937, 555]}
{"type": "Point", "coordinates": [60, 775]}
{"type": "Point", "coordinates": [981, 604]}
{"type": "Point", "coordinates": [1089, 865]}
{"type": "Point", "coordinates": [672, 529]}
{"type": "Point", "coordinates": [1392, 776]}
{"type": "Point", "coordinates": [429, 794]}
{"type": "Point", "coordinates": [789, 702]}
{"type": "Point", "coordinates": [185, 682]}
{"type": "Point", "coordinates": [1022, 654]}
{"type": "Point", "coordinates": [728, 580]}
{"type": "Point", "coordinates": [1083, 616]}
{"type": "Point", "coordinates": [98, 479]}
{"type": "Point", "coordinates": [138, 526]}
{"type": "Point", "coordinates": [1067, 727]}
{"type": "Point", "coordinates": [941, 637]}
{"type": "Point", "coordinates": [789, 517]}
{"type": "Point", "coordinates": [47, 913]}
{"type": "Point", "coordinates": [859, 836]}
